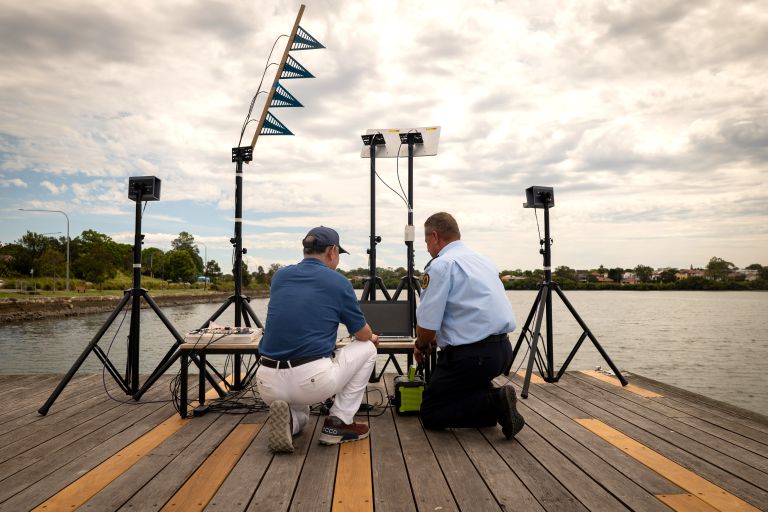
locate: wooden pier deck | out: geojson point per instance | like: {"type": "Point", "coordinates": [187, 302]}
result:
{"type": "Point", "coordinates": [588, 445]}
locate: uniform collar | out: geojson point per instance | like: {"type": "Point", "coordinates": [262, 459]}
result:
{"type": "Point", "coordinates": [453, 245]}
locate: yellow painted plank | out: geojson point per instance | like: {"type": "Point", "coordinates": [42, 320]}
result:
{"type": "Point", "coordinates": [203, 484]}
{"type": "Point", "coordinates": [535, 378]}
{"type": "Point", "coordinates": [84, 488]}
{"type": "Point", "coordinates": [703, 489]}
{"type": "Point", "coordinates": [88, 485]}
{"type": "Point", "coordinates": [685, 503]}
{"type": "Point", "coordinates": [353, 491]}
{"type": "Point", "coordinates": [629, 387]}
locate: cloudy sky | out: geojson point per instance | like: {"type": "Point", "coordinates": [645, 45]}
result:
{"type": "Point", "coordinates": [649, 119]}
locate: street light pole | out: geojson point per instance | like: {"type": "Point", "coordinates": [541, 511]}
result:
{"type": "Point", "coordinates": [65, 215]}
{"type": "Point", "coordinates": [205, 266]}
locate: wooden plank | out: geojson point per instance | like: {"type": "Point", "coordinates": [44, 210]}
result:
{"type": "Point", "coordinates": [390, 476]}
{"type": "Point", "coordinates": [667, 429]}
{"type": "Point", "coordinates": [200, 488]}
{"type": "Point", "coordinates": [237, 490]}
{"type": "Point", "coordinates": [50, 473]}
{"type": "Point", "coordinates": [354, 488]}
{"type": "Point", "coordinates": [649, 410]}
{"type": "Point", "coordinates": [430, 488]}
{"type": "Point", "coordinates": [276, 489]}
{"type": "Point", "coordinates": [555, 482]}
{"type": "Point", "coordinates": [746, 422]}
{"type": "Point", "coordinates": [57, 436]}
{"type": "Point", "coordinates": [626, 479]}
{"type": "Point", "coordinates": [721, 425]}
{"type": "Point", "coordinates": [685, 503]}
{"type": "Point", "coordinates": [89, 449]}
{"type": "Point", "coordinates": [314, 491]}
{"type": "Point", "coordinates": [95, 480]}
{"type": "Point", "coordinates": [494, 468]}
{"type": "Point", "coordinates": [619, 418]}
{"type": "Point", "coordinates": [632, 388]}
{"type": "Point", "coordinates": [124, 487]}
{"type": "Point", "coordinates": [705, 490]}
{"type": "Point", "coordinates": [535, 377]}
{"type": "Point", "coordinates": [24, 410]}
{"type": "Point", "coordinates": [155, 493]}
{"type": "Point", "coordinates": [466, 483]}
{"type": "Point", "coordinates": [721, 432]}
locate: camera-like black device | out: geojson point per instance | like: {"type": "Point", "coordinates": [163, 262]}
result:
{"type": "Point", "coordinates": [539, 197]}
{"type": "Point", "coordinates": [148, 187]}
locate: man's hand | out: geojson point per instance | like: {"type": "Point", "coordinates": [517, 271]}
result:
{"type": "Point", "coordinates": [375, 340]}
{"type": "Point", "coordinates": [426, 340]}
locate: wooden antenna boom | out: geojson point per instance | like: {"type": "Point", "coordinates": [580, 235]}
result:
{"type": "Point", "coordinates": [277, 76]}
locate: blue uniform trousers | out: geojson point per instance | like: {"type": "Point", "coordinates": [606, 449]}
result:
{"type": "Point", "coordinates": [459, 393]}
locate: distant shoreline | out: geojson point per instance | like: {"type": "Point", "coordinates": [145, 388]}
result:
{"type": "Point", "coordinates": [28, 309]}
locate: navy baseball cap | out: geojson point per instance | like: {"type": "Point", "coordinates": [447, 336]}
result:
{"type": "Point", "coordinates": [323, 238]}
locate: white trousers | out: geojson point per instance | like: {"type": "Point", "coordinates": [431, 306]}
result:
{"type": "Point", "coordinates": [345, 375]}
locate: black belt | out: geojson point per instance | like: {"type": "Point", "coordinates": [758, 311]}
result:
{"type": "Point", "coordinates": [493, 338]}
{"type": "Point", "coordinates": [292, 363]}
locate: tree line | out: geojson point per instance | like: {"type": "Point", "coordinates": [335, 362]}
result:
{"type": "Point", "coordinates": [96, 258]}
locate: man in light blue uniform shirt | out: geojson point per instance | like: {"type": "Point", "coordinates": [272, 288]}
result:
{"type": "Point", "coordinates": [465, 312]}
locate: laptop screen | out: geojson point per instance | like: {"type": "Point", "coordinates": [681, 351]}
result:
{"type": "Point", "coordinates": [388, 318]}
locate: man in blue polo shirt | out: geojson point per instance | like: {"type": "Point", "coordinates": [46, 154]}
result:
{"type": "Point", "coordinates": [465, 312]}
{"type": "Point", "coordinates": [300, 365]}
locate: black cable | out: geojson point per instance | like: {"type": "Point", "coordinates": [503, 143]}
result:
{"type": "Point", "coordinates": [104, 370]}
{"type": "Point", "coordinates": [258, 89]}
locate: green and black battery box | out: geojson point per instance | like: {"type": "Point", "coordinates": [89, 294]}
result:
{"type": "Point", "coordinates": [408, 391]}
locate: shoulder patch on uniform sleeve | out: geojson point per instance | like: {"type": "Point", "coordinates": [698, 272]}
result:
{"type": "Point", "coordinates": [424, 281]}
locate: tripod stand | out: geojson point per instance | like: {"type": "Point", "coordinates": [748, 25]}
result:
{"type": "Point", "coordinates": [128, 383]}
{"type": "Point", "coordinates": [243, 310]}
{"type": "Point", "coordinates": [542, 306]}
{"type": "Point", "coordinates": [373, 281]}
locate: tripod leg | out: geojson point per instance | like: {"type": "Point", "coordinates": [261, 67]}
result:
{"type": "Point", "coordinates": [171, 356]}
{"type": "Point", "coordinates": [97, 350]}
{"type": "Point", "coordinates": [570, 356]}
{"type": "Point", "coordinates": [56, 392]}
{"type": "Point", "coordinates": [219, 311]}
{"type": "Point", "coordinates": [591, 337]}
{"type": "Point", "coordinates": [399, 288]}
{"type": "Point", "coordinates": [248, 308]}
{"type": "Point", "coordinates": [535, 340]}
{"type": "Point", "coordinates": [366, 295]}
{"type": "Point", "coordinates": [524, 330]}
{"type": "Point", "coordinates": [380, 283]}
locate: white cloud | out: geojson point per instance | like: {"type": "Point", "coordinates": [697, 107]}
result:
{"type": "Point", "coordinates": [13, 182]}
{"type": "Point", "coordinates": [648, 119]}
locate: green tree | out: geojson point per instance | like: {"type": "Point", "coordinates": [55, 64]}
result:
{"type": "Point", "coordinates": [643, 273]}
{"type": "Point", "coordinates": [186, 242]}
{"type": "Point", "coordinates": [246, 276]}
{"type": "Point", "coordinates": [616, 274]}
{"type": "Point", "coordinates": [153, 262]}
{"type": "Point", "coordinates": [180, 266]}
{"type": "Point", "coordinates": [563, 273]}
{"type": "Point", "coordinates": [260, 275]}
{"type": "Point", "coordinates": [668, 275]}
{"type": "Point", "coordinates": [718, 269]}
{"type": "Point", "coordinates": [51, 262]}
{"type": "Point", "coordinates": [214, 270]}
{"type": "Point", "coordinates": [96, 265]}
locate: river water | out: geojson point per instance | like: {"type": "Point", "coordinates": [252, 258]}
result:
{"type": "Point", "coordinates": [712, 343]}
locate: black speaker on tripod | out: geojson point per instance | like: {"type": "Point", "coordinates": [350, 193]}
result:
{"type": "Point", "coordinates": [544, 198]}
{"type": "Point", "coordinates": [140, 188]}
